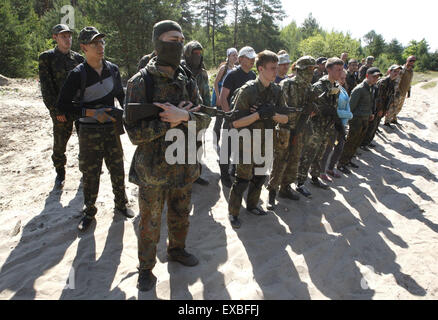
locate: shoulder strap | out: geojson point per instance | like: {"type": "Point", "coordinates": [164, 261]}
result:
{"type": "Point", "coordinates": [149, 83]}
{"type": "Point", "coordinates": [83, 83]}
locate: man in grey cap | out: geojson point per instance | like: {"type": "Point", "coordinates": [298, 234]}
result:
{"type": "Point", "coordinates": [320, 71]}
{"type": "Point", "coordinates": [283, 67]}
{"type": "Point", "coordinates": [362, 107]}
{"type": "Point", "coordinates": [365, 67]}
{"type": "Point", "coordinates": [54, 66]}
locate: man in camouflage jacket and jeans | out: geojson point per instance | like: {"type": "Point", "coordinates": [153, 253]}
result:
{"type": "Point", "coordinates": [54, 66]}
{"type": "Point", "coordinates": [159, 181]}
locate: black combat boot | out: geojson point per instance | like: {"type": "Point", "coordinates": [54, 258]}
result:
{"type": "Point", "coordinates": [288, 193]}
{"type": "Point", "coordinates": [124, 212]}
{"type": "Point", "coordinates": [302, 189]}
{"type": "Point", "coordinates": [85, 223]}
{"type": "Point", "coordinates": [235, 222]}
{"type": "Point", "coordinates": [183, 257]}
{"type": "Point", "coordinates": [146, 280]}
{"type": "Point", "coordinates": [60, 178]}
{"type": "Point", "coordinates": [272, 195]}
{"type": "Point", "coordinates": [319, 184]}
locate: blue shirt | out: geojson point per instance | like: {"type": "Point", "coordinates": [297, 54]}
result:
{"type": "Point", "coordinates": [344, 111]}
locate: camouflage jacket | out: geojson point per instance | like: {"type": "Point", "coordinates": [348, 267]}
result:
{"type": "Point", "coordinates": [352, 80]}
{"type": "Point", "coordinates": [317, 75]}
{"type": "Point", "coordinates": [403, 82]}
{"type": "Point", "coordinates": [54, 67]}
{"type": "Point", "coordinates": [253, 93]}
{"type": "Point", "coordinates": [204, 89]}
{"type": "Point", "coordinates": [325, 102]}
{"type": "Point", "coordinates": [385, 94]}
{"type": "Point", "coordinates": [149, 167]}
{"type": "Point", "coordinates": [296, 92]}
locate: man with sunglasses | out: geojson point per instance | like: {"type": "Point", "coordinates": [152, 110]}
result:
{"type": "Point", "coordinates": [99, 83]}
{"type": "Point", "coordinates": [402, 88]}
{"type": "Point", "coordinates": [54, 66]}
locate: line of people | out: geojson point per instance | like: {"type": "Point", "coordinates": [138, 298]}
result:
{"type": "Point", "coordinates": [309, 122]}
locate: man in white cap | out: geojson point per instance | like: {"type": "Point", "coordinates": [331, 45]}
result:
{"type": "Point", "coordinates": [234, 80]}
{"type": "Point", "coordinates": [283, 67]}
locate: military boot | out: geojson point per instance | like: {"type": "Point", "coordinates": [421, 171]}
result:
{"type": "Point", "coordinates": [287, 193]}
{"type": "Point", "coordinates": [202, 182]}
{"type": "Point", "coordinates": [272, 196]}
{"type": "Point", "coordinates": [146, 280]}
{"type": "Point", "coordinates": [318, 183]}
{"type": "Point", "coordinates": [303, 190]}
{"type": "Point", "coordinates": [183, 257]}
{"type": "Point", "coordinates": [60, 178]}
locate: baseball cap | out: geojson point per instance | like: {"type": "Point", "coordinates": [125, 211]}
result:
{"type": "Point", "coordinates": [231, 51]}
{"type": "Point", "coordinates": [369, 58]}
{"type": "Point", "coordinates": [321, 60]}
{"type": "Point", "coordinates": [283, 59]}
{"type": "Point", "coordinates": [394, 67]}
{"type": "Point", "coordinates": [60, 28]}
{"type": "Point", "coordinates": [88, 34]}
{"type": "Point", "coordinates": [374, 71]}
{"type": "Point", "coordinates": [352, 61]}
{"type": "Point", "coordinates": [305, 62]}
{"type": "Point", "coordinates": [247, 52]}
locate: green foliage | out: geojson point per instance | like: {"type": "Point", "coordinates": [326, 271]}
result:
{"type": "Point", "coordinates": [329, 45]}
{"type": "Point", "coordinates": [25, 31]}
{"type": "Point", "coordinates": [15, 49]}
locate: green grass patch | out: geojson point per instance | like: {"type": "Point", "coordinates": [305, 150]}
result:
{"type": "Point", "coordinates": [424, 77]}
{"type": "Point", "coordinates": [429, 85]}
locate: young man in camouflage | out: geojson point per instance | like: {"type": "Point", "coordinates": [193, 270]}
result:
{"type": "Point", "coordinates": [320, 71]}
{"type": "Point", "coordinates": [361, 105]}
{"type": "Point", "coordinates": [266, 100]}
{"type": "Point", "coordinates": [402, 89]}
{"type": "Point", "coordinates": [384, 101]}
{"type": "Point", "coordinates": [289, 138]}
{"type": "Point", "coordinates": [193, 59]}
{"type": "Point", "coordinates": [54, 66]}
{"type": "Point", "coordinates": [159, 181]}
{"type": "Point", "coordinates": [99, 83]}
{"type": "Point", "coordinates": [325, 95]}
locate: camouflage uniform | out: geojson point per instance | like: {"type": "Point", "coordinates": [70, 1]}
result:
{"type": "Point", "coordinates": [384, 101]}
{"type": "Point", "coordinates": [54, 67]}
{"type": "Point", "coordinates": [145, 60]}
{"type": "Point", "coordinates": [352, 80]}
{"type": "Point", "coordinates": [98, 143]}
{"type": "Point", "coordinates": [159, 181]}
{"type": "Point", "coordinates": [402, 88]}
{"type": "Point", "coordinates": [325, 103]}
{"type": "Point", "coordinates": [288, 142]}
{"type": "Point", "coordinates": [250, 94]}
{"type": "Point", "coordinates": [199, 72]}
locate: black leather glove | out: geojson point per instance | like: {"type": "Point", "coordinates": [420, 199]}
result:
{"type": "Point", "coordinates": [266, 112]}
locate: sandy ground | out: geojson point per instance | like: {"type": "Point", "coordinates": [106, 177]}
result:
{"type": "Point", "coordinates": [372, 236]}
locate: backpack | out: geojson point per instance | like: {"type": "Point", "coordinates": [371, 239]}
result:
{"type": "Point", "coordinates": [149, 83]}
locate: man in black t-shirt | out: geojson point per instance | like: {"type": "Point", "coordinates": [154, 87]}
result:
{"type": "Point", "coordinates": [99, 138]}
{"type": "Point", "coordinates": [232, 82]}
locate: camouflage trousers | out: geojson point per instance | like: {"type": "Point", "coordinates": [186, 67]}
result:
{"type": "Point", "coordinates": [151, 203]}
{"type": "Point", "coordinates": [395, 109]}
{"type": "Point", "coordinates": [371, 131]}
{"type": "Point", "coordinates": [245, 179]}
{"type": "Point", "coordinates": [313, 152]}
{"type": "Point", "coordinates": [356, 134]}
{"type": "Point", "coordinates": [283, 149]}
{"type": "Point", "coordinates": [98, 143]}
{"type": "Point", "coordinates": [61, 134]}
{"type": "Point", "coordinates": [291, 172]}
